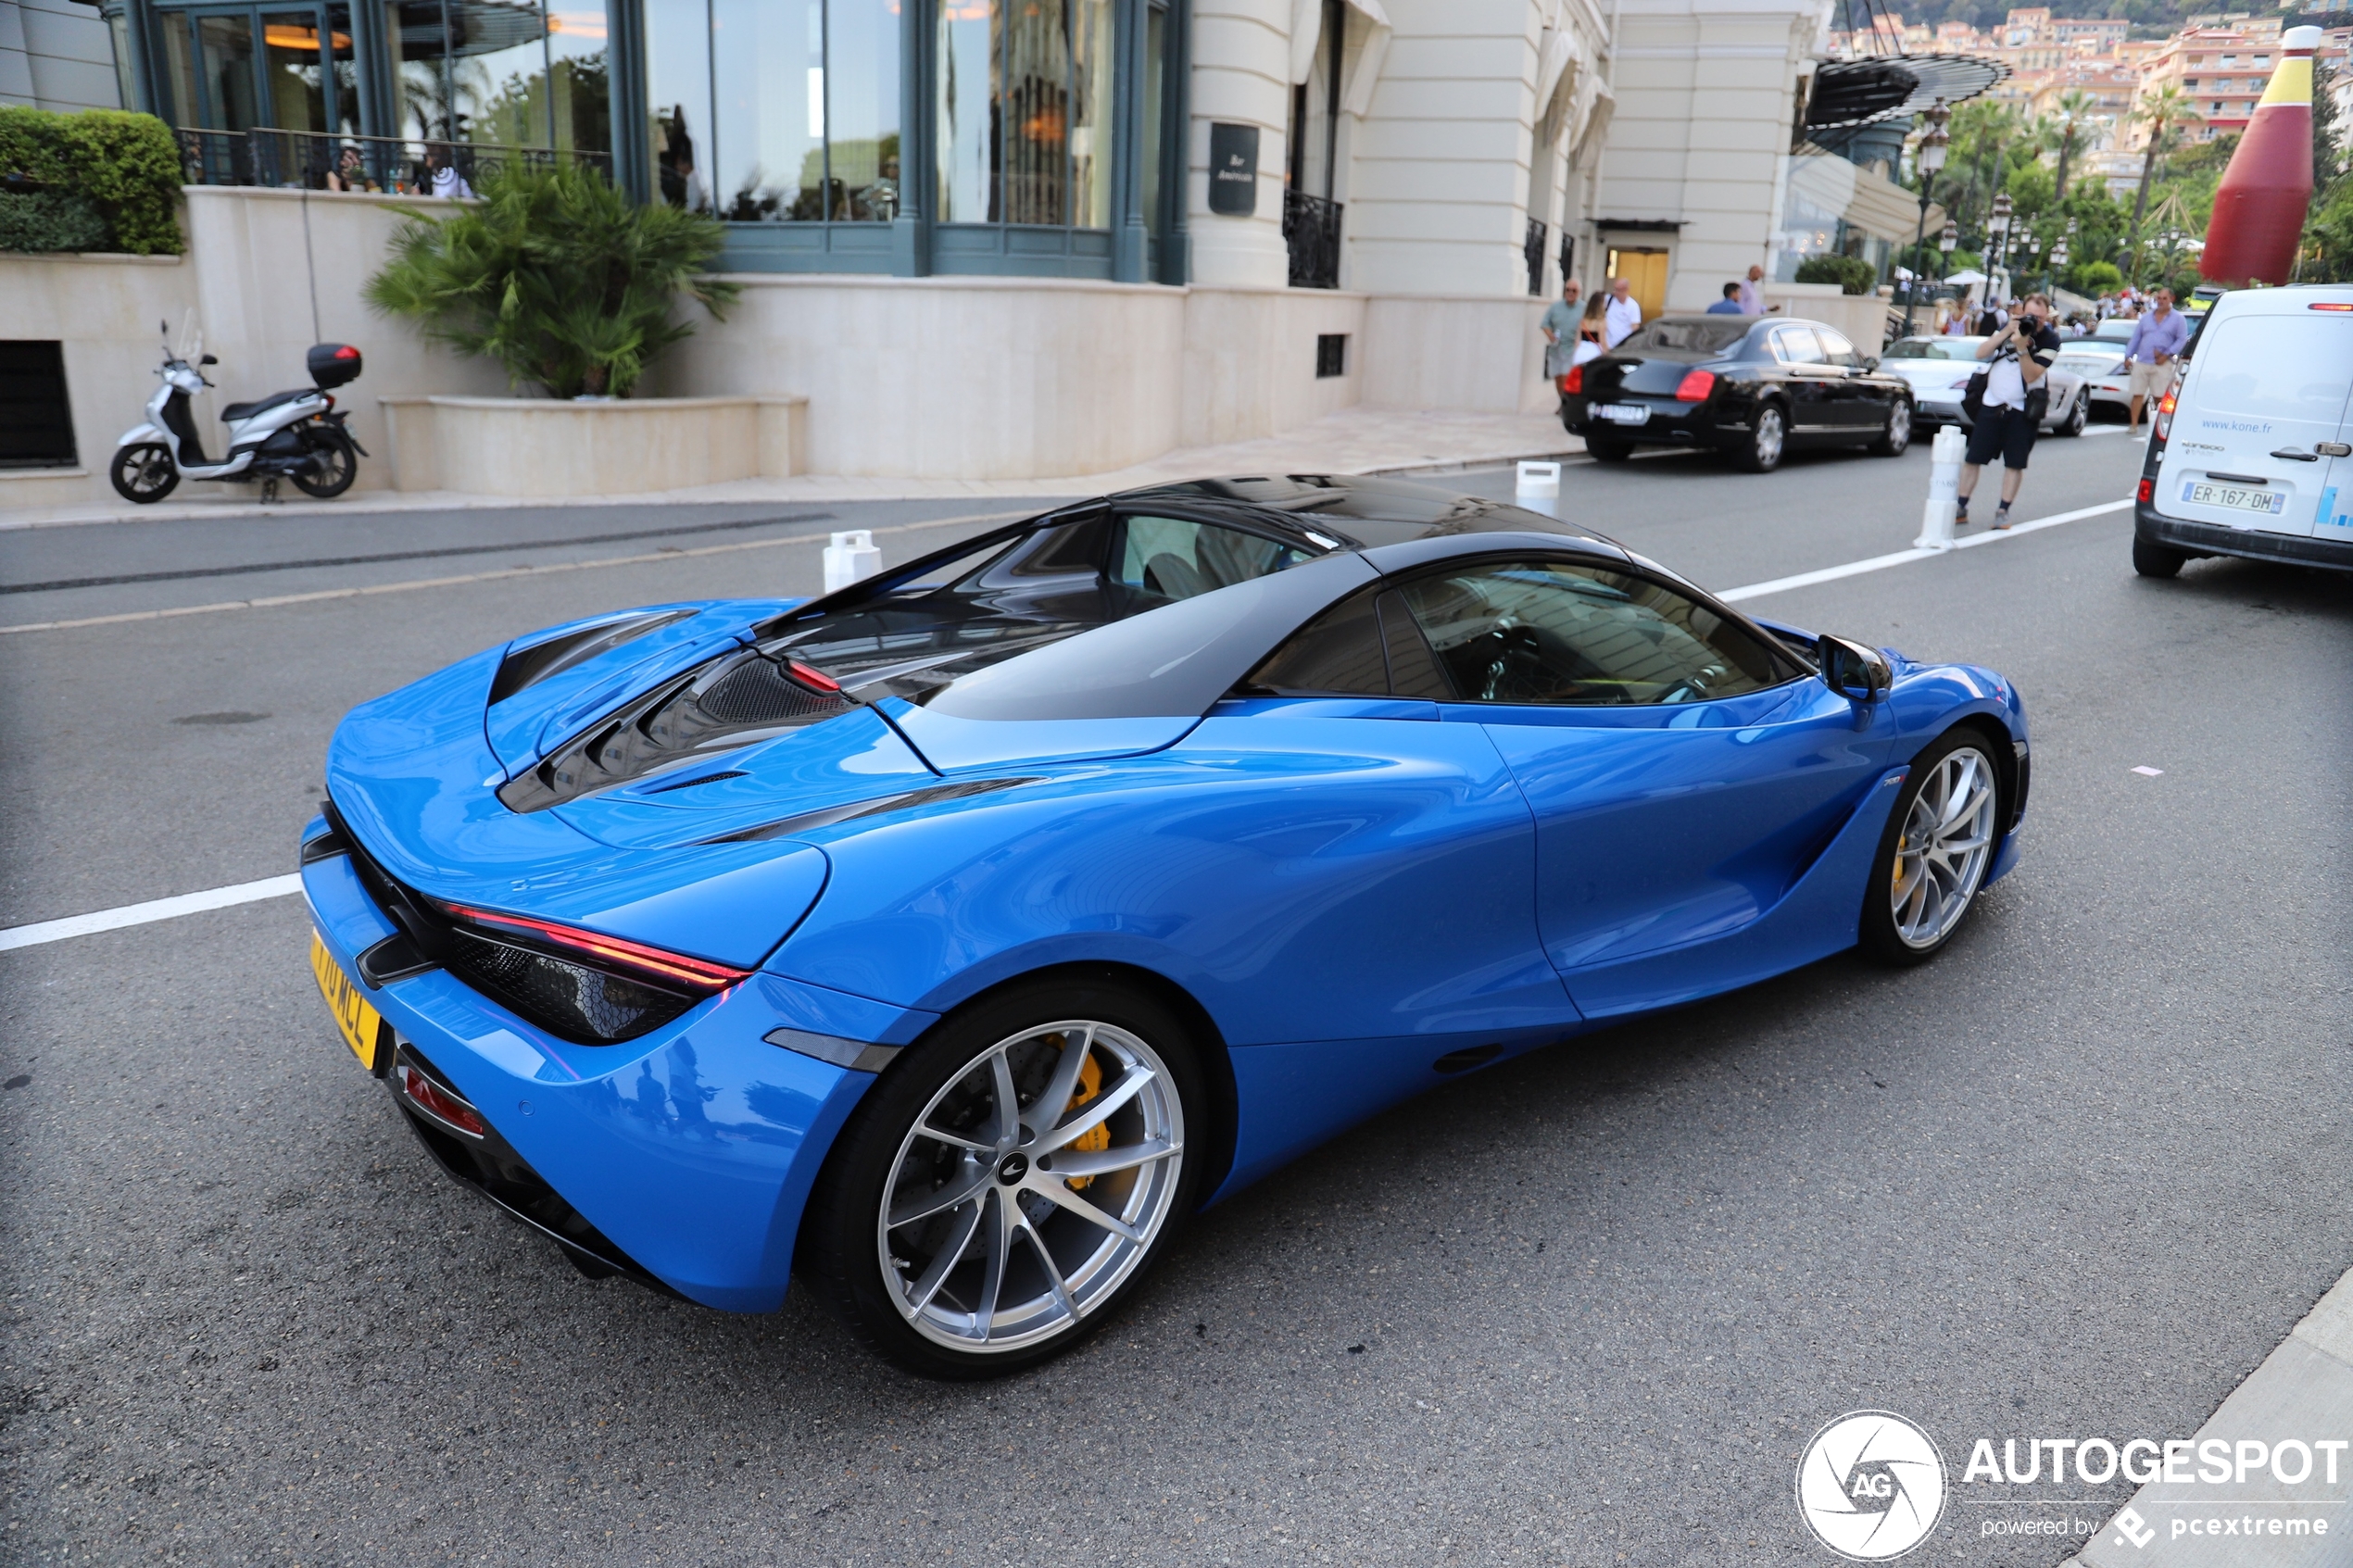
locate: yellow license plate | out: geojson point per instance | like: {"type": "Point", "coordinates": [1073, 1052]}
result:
{"type": "Point", "coordinates": [360, 1022]}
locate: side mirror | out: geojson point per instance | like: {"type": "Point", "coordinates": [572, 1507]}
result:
{"type": "Point", "coordinates": [208, 360]}
{"type": "Point", "coordinates": [1854, 671]}
{"type": "Point", "coordinates": [1871, 362]}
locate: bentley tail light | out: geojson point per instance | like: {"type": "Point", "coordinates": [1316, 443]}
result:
{"type": "Point", "coordinates": [1574, 380]}
{"type": "Point", "coordinates": [1695, 387]}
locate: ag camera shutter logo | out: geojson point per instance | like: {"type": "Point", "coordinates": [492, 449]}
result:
{"type": "Point", "coordinates": [1870, 1486]}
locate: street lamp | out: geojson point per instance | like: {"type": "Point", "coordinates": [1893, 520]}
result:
{"type": "Point", "coordinates": [1930, 159]}
{"type": "Point", "coordinates": [1997, 238]}
{"type": "Point", "coordinates": [2058, 259]}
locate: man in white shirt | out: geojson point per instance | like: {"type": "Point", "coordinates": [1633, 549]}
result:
{"type": "Point", "coordinates": [1751, 294]}
{"type": "Point", "coordinates": [2022, 353]}
{"type": "Point", "coordinates": [1621, 316]}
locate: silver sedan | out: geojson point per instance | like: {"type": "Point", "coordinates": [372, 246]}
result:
{"type": "Point", "coordinates": [1938, 370]}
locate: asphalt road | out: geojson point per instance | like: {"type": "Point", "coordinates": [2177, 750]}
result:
{"type": "Point", "coordinates": [2077, 1176]}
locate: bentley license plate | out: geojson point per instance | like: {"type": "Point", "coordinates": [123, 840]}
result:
{"type": "Point", "coordinates": [360, 1022]}
{"type": "Point", "coordinates": [2237, 497]}
{"type": "Point", "coordinates": [1624, 413]}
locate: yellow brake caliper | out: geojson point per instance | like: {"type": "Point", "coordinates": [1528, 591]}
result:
{"type": "Point", "coordinates": [1096, 1138]}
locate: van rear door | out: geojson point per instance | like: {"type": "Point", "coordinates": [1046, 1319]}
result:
{"type": "Point", "coordinates": [2268, 385]}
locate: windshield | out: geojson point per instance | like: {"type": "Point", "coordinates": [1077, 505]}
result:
{"type": "Point", "coordinates": [1934, 348]}
{"type": "Point", "coordinates": [1699, 338]}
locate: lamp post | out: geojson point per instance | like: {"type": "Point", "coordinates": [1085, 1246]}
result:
{"type": "Point", "coordinates": [1930, 159]}
{"type": "Point", "coordinates": [2058, 259]}
{"type": "Point", "coordinates": [1998, 246]}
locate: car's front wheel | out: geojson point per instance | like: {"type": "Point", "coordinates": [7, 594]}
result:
{"type": "Point", "coordinates": [2078, 415]}
{"type": "Point", "coordinates": [1009, 1179]}
{"type": "Point", "coordinates": [1938, 845]}
{"type": "Point", "coordinates": [1897, 436]}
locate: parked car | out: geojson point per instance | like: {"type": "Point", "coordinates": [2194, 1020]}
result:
{"type": "Point", "coordinates": [2251, 451]}
{"type": "Point", "coordinates": [1746, 387]}
{"type": "Point", "coordinates": [2100, 363]}
{"type": "Point", "coordinates": [1939, 368]}
{"type": "Point", "coordinates": [951, 938]}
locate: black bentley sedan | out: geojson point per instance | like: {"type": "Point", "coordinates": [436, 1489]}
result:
{"type": "Point", "coordinates": [1751, 387]}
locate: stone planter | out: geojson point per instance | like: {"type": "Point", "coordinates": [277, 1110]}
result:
{"type": "Point", "coordinates": [524, 446]}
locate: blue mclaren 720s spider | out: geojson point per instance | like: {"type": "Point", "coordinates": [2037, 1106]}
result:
{"type": "Point", "coordinates": [949, 939]}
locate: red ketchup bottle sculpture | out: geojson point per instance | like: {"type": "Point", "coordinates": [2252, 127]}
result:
{"type": "Point", "coordinates": [2258, 208]}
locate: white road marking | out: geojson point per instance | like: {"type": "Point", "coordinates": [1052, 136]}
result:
{"type": "Point", "coordinates": [497, 575]}
{"type": "Point", "coordinates": [279, 886]}
{"type": "Point", "coordinates": [1898, 557]}
{"type": "Point", "coordinates": [152, 911]}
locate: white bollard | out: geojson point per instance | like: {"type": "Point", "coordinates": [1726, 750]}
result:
{"type": "Point", "coordinates": [850, 556]}
{"type": "Point", "coordinates": [1944, 489]}
{"type": "Point", "coordinates": [1539, 488]}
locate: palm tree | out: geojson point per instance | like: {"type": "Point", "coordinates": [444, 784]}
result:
{"type": "Point", "coordinates": [2161, 111]}
{"type": "Point", "coordinates": [1991, 126]}
{"type": "Point", "coordinates": [2075, 107]}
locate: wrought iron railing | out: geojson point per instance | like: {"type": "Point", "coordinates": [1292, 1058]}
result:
{"type": "Point", "coordinates": [393, 165]}
{"type": "Point", "coordinates": [1311, 231]}
{"type": "Point", "coordinates": [1533, 249]}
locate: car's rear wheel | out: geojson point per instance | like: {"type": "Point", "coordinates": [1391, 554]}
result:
{"type": "Point", "coordinates": [1897, 436]}
{"type": "Point", "coordinates": [2077, 416]}
{"type": "Point", "coordinates": [1934, 858]}
{"type": "Point", "coordinates": [1761, 453]}
{"type": "Point", "coordinates": [1608, 449]}
{"type": "Point", "coordinates": [1009, 1179]}
{"type": "Point", "coordinates": [2152, 559]}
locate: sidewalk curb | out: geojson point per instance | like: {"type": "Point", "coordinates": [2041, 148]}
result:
{"type": "Point", "coordinates": [2304, 1383]}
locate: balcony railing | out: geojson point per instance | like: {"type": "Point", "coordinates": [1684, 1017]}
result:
{"type": "Point", "coordinates": [312, 161]}
{"type": "Point", "coordinates": [1310, 229]}
{"type": "Point", "coordinates": [1533, 249]}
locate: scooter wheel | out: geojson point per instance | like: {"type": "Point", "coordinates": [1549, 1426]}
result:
{"type": "Point", "coordinates": [145, 473]}
{"type": "Point", "coordinates": [338, 465]}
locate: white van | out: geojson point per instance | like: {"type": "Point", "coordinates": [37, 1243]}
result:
{"type": "Point", "coordinates": [2250, 455]}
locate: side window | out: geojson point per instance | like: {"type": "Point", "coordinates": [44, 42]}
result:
{"type": "Point", "coordinates": [1836, 350]}
{"type": "Point", "coordinates": [1796, 345]}
{"type": "Point", "coordinates": [1166, 558]}
{"type": "Point", "coordinates": [1338, 652]}
{"type": "Point", "coordinates": [1556, 632]}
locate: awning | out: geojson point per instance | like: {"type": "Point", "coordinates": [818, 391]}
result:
{"type": "Point", "coordinates": [1853, 92]}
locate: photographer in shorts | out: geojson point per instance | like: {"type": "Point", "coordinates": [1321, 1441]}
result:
{"type": "Point", "coordinates": [2015, 400]}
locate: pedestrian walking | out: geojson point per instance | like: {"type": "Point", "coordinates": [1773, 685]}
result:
{"type": "Point", "coordinates": [2154, 353]}
{"type": "Point", "coordinates": [1730, 305]}
{"type": "Point", "coordinates": [1621, 315]}
{"type": "Point", "coordinates": [1559, 327]}
{"type": "Point", "coordinates": [1751, 294]}
{"type": "Point", "coordinates": [2015, 399]}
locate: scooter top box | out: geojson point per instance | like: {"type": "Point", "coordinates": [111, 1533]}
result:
{"type": "Point", "coordinates": [333, 364]}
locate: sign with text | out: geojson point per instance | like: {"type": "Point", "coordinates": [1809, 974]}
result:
{"type": "Point", "coordinates": [1233, 169]}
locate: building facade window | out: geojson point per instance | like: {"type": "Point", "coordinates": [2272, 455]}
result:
{"type": "Point", "coordinates": [1007, 136]}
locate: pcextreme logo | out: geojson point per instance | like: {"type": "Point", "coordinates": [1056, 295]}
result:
{"type": "Point", "coordinates": [1870, 1486]}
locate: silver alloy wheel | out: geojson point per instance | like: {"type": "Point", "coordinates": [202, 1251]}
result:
{"type": "Point", "coordinates": [1030, 1187]}
{"type": "Point", "coordinates": [1770, 435]}
{"type": "Point", "coordinates": [1899, 426]}
{"type": "Point", "coordinates": [1948, 835]}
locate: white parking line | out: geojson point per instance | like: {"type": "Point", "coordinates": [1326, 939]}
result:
{"type": "Point", "coordinates": [1898, 557]}
{"type": "Point", "coordinates": [280, 886]}
{"type": "Point", "coordinates": [152, 911]}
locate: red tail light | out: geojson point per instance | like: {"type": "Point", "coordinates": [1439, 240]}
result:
{"type": "Point", "coordinates": [346, 352]}
{"type": "Point", "coordinates": [2164, 420]}
{"type": "Point", "coordinates": [815, 680]}
{"type": "Point", "coordinates": [440, 1104]}
{"type": "Point", "coordinates": [1573, 381]}
{"type": "Point", "coordinates": [2330, 305]}
{"type": "Point", "coordinates": [1695, 387]}
{"type": "Point", "coordinates": [631, 958]}
{"type": "Point", "coordinates": [2147, 492]}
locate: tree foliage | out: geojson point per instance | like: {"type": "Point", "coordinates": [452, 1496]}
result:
{"type": "Point", "coordinates": [1851, 273]}
{"type": "Point", "coordinates": [556, 275]}
{"type": "Point", "coordinates": [124, 166]}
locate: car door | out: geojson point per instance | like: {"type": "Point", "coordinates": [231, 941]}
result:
{"type": "Point", "coordinates": [1684, 771]}
{"type": "Point", "coordinates": [2268, 386]}
{"type": "Point", "coordinates": [1858, 401]}
{"type": "Point", "coordinates": [1806, 380]}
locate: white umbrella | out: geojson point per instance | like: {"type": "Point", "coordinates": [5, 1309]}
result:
{"type": "Point", "coordinates": [1970, 276]}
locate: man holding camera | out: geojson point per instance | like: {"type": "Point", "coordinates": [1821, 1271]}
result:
{"type": "Point", "coordinates": [2016, 399]}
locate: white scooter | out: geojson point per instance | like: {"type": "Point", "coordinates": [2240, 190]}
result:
{"type": "Point", "coordinates": [295, 434]}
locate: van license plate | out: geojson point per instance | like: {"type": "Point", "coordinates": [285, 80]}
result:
{"type": "Point", "coordinates": [2237, 497]}
{"type": "Point", "coordinates": [1624, 413]}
